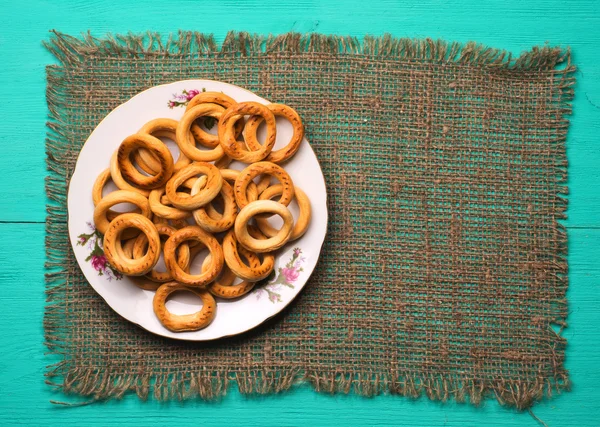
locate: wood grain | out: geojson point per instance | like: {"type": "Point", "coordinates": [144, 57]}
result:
{"type": "Point", "coordinates": [514, 25]}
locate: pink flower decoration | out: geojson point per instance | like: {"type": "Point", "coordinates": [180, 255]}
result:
{"type": "Point", "coordinates": [191, 94]}
{"type": "Point", "coordinates": [171, 104]}
{"type": "Point", "coordinates": [290, 274]}
{"type": "Point", "coordinates": [297, 252]}
{"type": "Point", "coordinates": [99, 262]}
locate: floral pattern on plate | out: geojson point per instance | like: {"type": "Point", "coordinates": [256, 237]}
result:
{"type": "Point", "coordinates": [93, 241]}
{"type": "Point", "coordinates": [285, 276]}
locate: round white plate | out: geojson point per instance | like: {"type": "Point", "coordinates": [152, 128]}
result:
{"type": "Point", "coordinates": [294, 262]}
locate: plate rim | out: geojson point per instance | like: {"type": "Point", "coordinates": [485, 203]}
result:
{"type": "Point", "coordinates": [182, 337]}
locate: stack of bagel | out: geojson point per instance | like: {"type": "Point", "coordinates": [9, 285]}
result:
{"type": "Point", "coordinates": [197, 202]}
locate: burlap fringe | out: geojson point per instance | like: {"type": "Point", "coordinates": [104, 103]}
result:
{"type": "Point", "coordinates": [70, 50]}
{"type": "Point", "coordinates": [211, 385]}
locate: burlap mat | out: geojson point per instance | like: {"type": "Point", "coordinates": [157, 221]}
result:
{"type": "Point", "coordinates": [444, 270]}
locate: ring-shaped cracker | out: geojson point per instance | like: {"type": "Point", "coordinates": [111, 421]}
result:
{"type": "Point", "coordinates": [185, 322]}
{"type": "Point", "coordinates": [113, 249]}
{"type": "Point", "coordinates": [231, 175]}
{"type": "Point", "coordinates": [207, 239]}
{"type": "Point", "coordinates": [202, 137]}
{"type": "Point", "coordinates": [227, 218]}
{"type": "Point", "coordinates": [163, 211]}
{"type": "Point", "coordinates": [242, 182]}
{"type": "Point", "coordinates": [158, 150]}
{"type": "Point", "coordinates": [214, 182]}
{"type": "Point", "coordinates": [121, 196]}
{"type": "Point", "coordinates": [285, 153]}
{"type": "Point", "coordinates": [187, 142]}
{"type": "Point", "coordinates": [304, 216]}
{"type": "Point", "coordinates": [117, 177]}
{"type": "Point", "coordinates": [158, 128]}
{"type": "Point", "coordinates": [223, 286]}
{"type": "Point", "coordinates": [183, 253]}
{"type": "Point", "coordinates": [237, 149]}
{"type": "Point", "coordinates": [97, 189]}
{"type": "Point", "coordinates": [235, 263]}
{"type": "Point", "coordinates": [272, 243]}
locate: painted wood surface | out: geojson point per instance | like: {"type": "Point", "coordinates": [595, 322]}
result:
{"type": "Point", "coordinates": [510, 24]}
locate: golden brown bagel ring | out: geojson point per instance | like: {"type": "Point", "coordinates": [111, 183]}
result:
{"type": "Point", "coordinates": [185, 139]}
{"type": "Point", "coordinates": [303, 218]}
{"type": "Point", "coordinates": [223, 286]}
{"type": "Point", "coordinates": [193, 233]}
{"type": "Point", "coordinates": [117, 177]}
{"type": "Point", "coordinates": [235, 263]}
{"type": "Point", "coordinates": [211, 189]}
{"type": "Point", "coordinates": [236, 149]}
{"type": "Point", "coordinates": [150, 164]}
{"type": "Point", "coordinates": [183, 253]}
{"type": "Point", "coordinates": [247, 175]}
{"type": "Point", "coordinates": [163, 211]}
{"type": "Point", "coordinates": [111, 199]}
{"type": "Point", "coordinates": [223, 162]}
{"type": "Point", "coordinates": [97, 192]}
{"type": "Point", "coordinates": [164, 128]}
{"type": "Point", "coordinates": [231, 175]}
{"type": "Point", "coordinates": [142, 282]}
{"type": "Point", "coordinates": [126, 250]}
{"type": "Point", "coordinates": [113, 249]}
{"type": "Point", "coordinates": [204, 138]}
{"type": "Point", "coordinates": [187, 186]}
{"type": "Point", "coordinates": [272, 243]}
{"type": "Point", "coordinates": [230, 210]}
{"type": "Point", "coordinates": [291, 148]}
{"type": "Point", "coordinates": [186, 322]}
{"type": "Point", "coordinates": [157, 148]}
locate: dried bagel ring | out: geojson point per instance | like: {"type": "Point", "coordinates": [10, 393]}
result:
{"type": "Point", "coordinates": [202, 137]}
{"type": "Point", "coordinates": [157, 148]}
{"type": "Point", "coordinates": [272, 243]}
{"type": "Point", "coordinates": [142, 282]}
{"type": "Point", "coordinates": [223, 162]}
{"type": "Point", "coordinates": [117, 177]}
{"type": "Point", "coordinates": [178, 273]}
{"type": "Point", "coordinates": [214, 181]}
{"type": "Point", "coordinates": [230, 210]}
{"type": "Point", "coordinates": [113, 249]}
{"type": "Point", "coordinates": [175, 223]}
{"type": "Point", "coordinates": [235, 263]}
{"type": "Point", "coordinates": [183, 253]}
{"type": "Point", "coordinates": [267, 168]}
{"type": "Point", "coordinates": [185, 322]}
{"type": "Point", "coordinates": [303, 219]}
{"type": "Point", "coordinates": [163, 211]}
{"type": "Point", "coordinates": [236, 149]}
{"type": "Point", "coordinates": [283, 154]}
{"type": "Point", "coordinates": [230, 175]}
{"type": "Point", "coordinates": [99, 185]}
{"type": "Point", "coordinates": [159, 128]}
{"type": "Point", "coordinates": [111, 199]}
{"type": "Point", "coordinates": [187, 186]}
{"type": "Point", "coordinates": [185, 139]}
{"type": "Point", "coordinates": [223, 286]}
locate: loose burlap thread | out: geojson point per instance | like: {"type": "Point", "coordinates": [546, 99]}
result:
{"type": "Point", "coordinates": [444, 269]}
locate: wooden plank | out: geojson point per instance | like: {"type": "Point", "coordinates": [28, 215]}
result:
{"type": "Point", "coordinates": [24, 398]}
{"type": "Point", "coordinates": [516, 26]}
{"type": "Point", "coordinates": [511, 24]}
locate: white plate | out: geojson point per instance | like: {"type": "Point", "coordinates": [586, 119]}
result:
{"type": "Point", "coordinates": [294, 263]}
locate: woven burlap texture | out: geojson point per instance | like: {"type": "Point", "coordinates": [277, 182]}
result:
{"type": "Point", "coordinates": [444, 269]}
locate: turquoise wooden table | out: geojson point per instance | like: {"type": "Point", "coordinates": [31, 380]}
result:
{"type": "Point", "coordinates": [515, 25]}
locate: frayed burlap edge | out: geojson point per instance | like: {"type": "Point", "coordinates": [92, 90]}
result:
{"type": "Point", "coordinates": [100, 385]}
